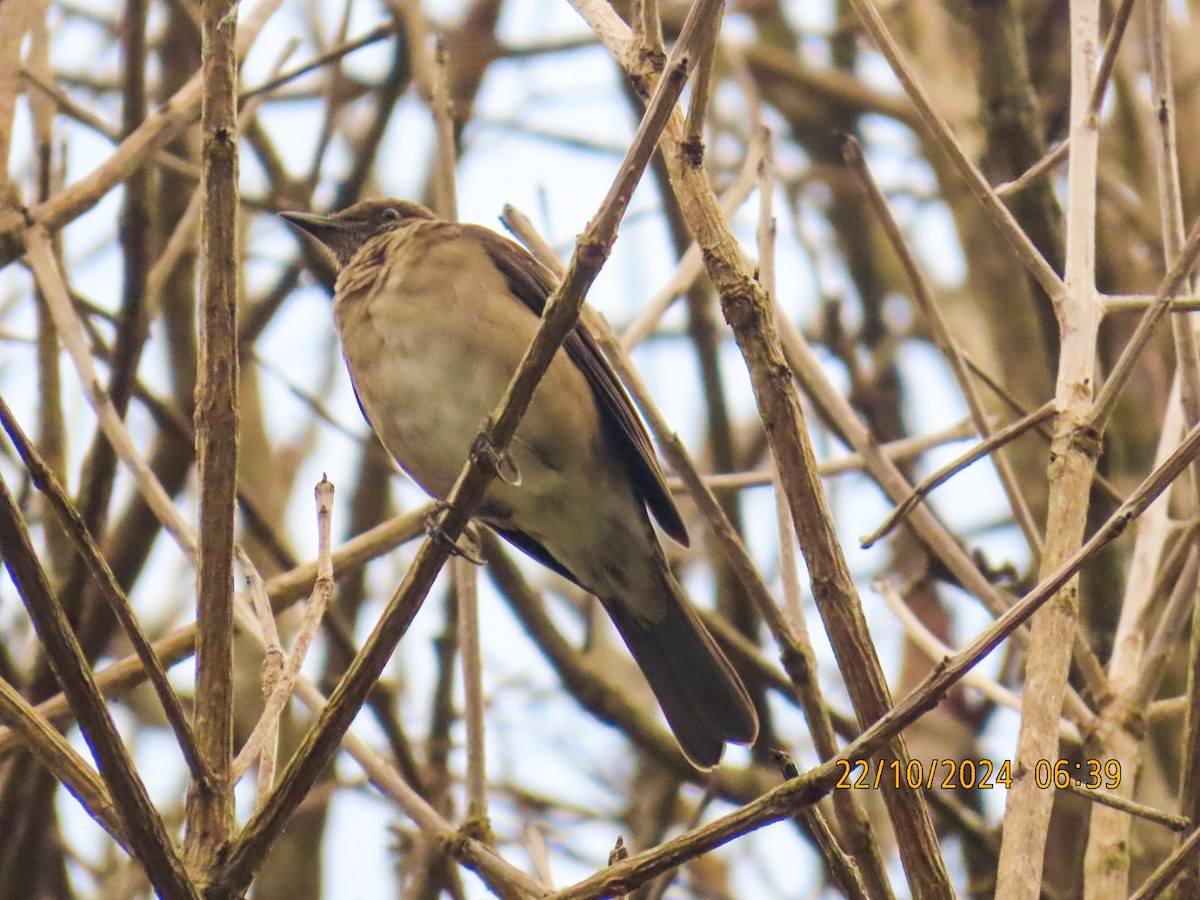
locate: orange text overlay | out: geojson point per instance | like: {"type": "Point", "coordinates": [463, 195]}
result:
{"type": "Point", "coordinates": [972, 774]}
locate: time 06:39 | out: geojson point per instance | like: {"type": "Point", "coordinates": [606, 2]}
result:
{"type": "Point", "coordinates": [1087, 773]}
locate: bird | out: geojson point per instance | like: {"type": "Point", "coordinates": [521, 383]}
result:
{"type": "Point", "coordinates": [434, 317]}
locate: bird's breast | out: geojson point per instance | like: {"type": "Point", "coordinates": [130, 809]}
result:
{"type": "Point", "coordinates": [431, 340]}
{"type": "Point", "coordinates": [432, 335]}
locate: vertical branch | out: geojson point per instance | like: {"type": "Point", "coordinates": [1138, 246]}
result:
{"type": "Point", "coordinates": [465, 583]}
{"type": "Point", "coordinates": [702, 88]}
{"type": "Point", "coordinates": [1189, 789]}
{"type": "Point", "coordinates": [426, 871]}
{"type": "Point", "coordinates": [1106, 864]}
{"type": "Point", "coordinates": [1073, 462]}
{"type": "Point", "coordinates": [445, 159]}
{"type": "Point", "coordinates": [15, 21]}
{"type": "Point", "coordinates": [647, 29]}
{"type": "Point", "coordinates": [210, 812]}
{"type": "Point", "coordinates": [135, 216]}
{"type": "Point", "coordinates": [432, 75]}
{"type": "Point", "coordinates": [100, 465]}
{"type": "Point", "coordinates": [1170, 203]}
{"type": "Point", "coordinates": [266, 751]}
{"type": "Point", "coordinates": [51, 433]}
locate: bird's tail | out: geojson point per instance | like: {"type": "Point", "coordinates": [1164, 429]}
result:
{"type": "Point", "coordinates": [701, 695]}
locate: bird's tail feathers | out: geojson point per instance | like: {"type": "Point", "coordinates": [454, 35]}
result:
{"type": "Point", "coordinates": [701, 695]}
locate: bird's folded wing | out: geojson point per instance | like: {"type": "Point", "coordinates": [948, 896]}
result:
{"type": "Point", "coordinates": [533, 283]}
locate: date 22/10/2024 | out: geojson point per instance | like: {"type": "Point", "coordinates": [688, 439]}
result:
{"type": "Point", "coordinates": [967, 774]}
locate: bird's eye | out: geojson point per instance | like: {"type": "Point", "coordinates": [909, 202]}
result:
{"type": "Point", "coordinates": [391, 214]}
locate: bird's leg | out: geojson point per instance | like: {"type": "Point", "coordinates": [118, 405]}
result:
{"type": "Point", "coordinates": [433, 529]}
{"type": "Point", "coordinates": [485, 455]}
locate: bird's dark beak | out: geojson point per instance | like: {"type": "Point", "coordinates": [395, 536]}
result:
{"type": "Point", "coordinates": [323, 228]}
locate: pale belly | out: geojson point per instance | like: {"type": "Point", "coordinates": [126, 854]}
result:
{"type": "Point", "coordinates": [427, 380]}
{"type": "Point", "coordinates": [428, 404]}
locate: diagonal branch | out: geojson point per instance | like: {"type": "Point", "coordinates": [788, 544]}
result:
{"type": "Point", "coordinates": [749, 310]}
{"type": "Point", "coordinates": [811, 786]}
{"type": "Point", "coordinates": [72, 522]}
{"type": "Point", "coordinates": [559, 318]}
{"type": "Point", "coordinates": [147, 835]}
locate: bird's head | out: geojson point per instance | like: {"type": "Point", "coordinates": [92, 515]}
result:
{"type": "Point", "coordinates": [344, 232]}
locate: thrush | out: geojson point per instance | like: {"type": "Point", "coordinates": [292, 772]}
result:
{"type": "Point", "coordinates": [434, 318]}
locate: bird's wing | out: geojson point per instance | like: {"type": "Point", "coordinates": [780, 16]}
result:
{"type": "Point", "coordinates": [533, 283]}
{"type": "Point", "coordinates": [534, 549]}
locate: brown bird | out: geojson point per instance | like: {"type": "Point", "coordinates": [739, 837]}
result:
{"type": "Point", "coordinates": [434, 318]}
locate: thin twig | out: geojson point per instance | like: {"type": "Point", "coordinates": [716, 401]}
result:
{"type": "Point", "coordinates": [998, 439]}
{"type": "Point", "coordinates": [939, 130]}
{"type": "Point", "coordinates": [471, 656]}
{"type": "Point", "coordinates": [1112, 42]}
{"type": "Point", "coordinates": [1182, 303]}
{"type": "Point", "coordinates": [897, 451]}
{"type": "Point", "coordinates": [1168, 637]}
{"type": "Point", "coordinates": [1160, 879]}
{"type": "Point", "coordinates": [442, 107]}
{"type": "Point", "coordinates": [266, 730]}
{"type": "Point", "coordinates": [1036, 171]}
{"type": "Point", "coordinates": [702, 87]}
{"type": "Point", "coordinates": [1171, 284]}
{"type": "Point", "coordinates": [1140, 810]}
{"type": "Point", "coordinates": [374, 36]}
{"type": "Point", "coordinates": [935, 651]}
{"type": "Point", "coordinates": [647, 29]}
{"type": "Point", "coordinates": [944, 340]}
